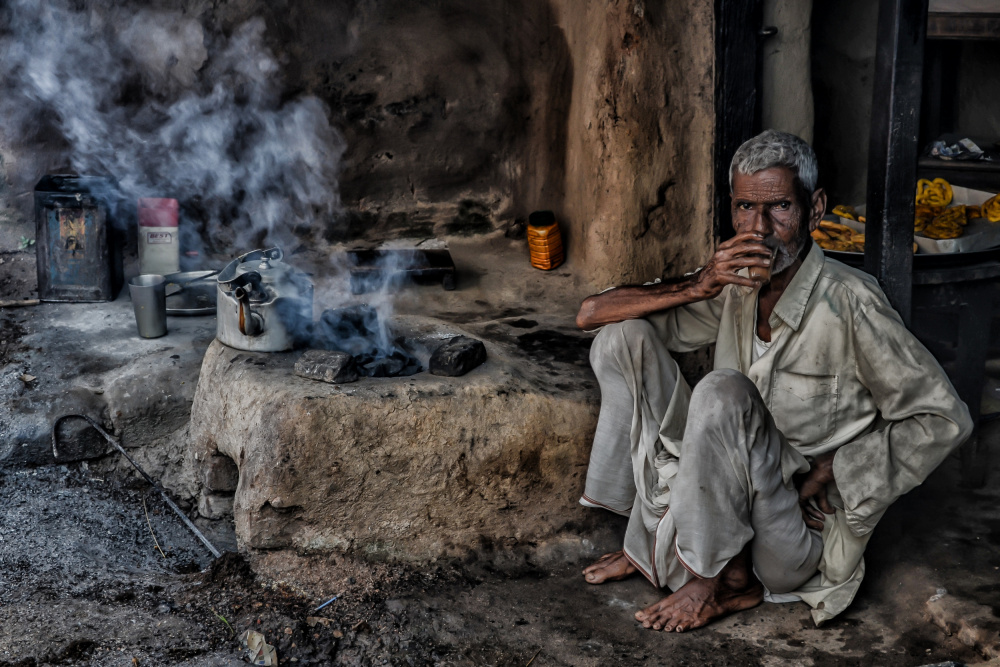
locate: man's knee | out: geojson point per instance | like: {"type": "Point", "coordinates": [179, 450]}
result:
{"type": "Point", "coordinates": [779, 580]}
{"type": "Point", "coordinates": [723, 389]}
{"type": "Point", "coordinates": [616, 338]}
{"type": "Point", "coordinates": [783, 573]}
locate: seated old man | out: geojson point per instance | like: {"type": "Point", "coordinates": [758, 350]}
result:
{"type": "Point", "coordinates": [766, 480]}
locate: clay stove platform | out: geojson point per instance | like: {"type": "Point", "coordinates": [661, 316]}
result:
{"type": "Point", "coordinates": [410, 468]}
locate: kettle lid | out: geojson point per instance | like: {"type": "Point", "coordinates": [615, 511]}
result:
{"type": "Point", "coordinates": [265, 262]}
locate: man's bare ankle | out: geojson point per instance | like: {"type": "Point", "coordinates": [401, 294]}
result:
{"type": "Point", "coordinates": [738, 573]}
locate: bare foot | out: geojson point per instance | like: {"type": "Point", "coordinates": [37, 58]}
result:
{"type": "Point", "coordinates": [610, 567]}
{"type": "Point", "coordinates": [700, 601]}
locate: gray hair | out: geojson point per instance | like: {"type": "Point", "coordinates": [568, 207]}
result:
{"type": "Point", "coordinates": [772, 148]}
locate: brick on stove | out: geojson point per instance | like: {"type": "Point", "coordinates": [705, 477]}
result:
{"type": "Point", "coordinates": [457, 356]}
{"type": "Point", "coordinates": [327, 366]}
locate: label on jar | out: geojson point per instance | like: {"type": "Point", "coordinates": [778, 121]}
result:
{"type": "Point", "coordinates": [159, 237]}
{"type": "Point", "coordinates": [158, 250]}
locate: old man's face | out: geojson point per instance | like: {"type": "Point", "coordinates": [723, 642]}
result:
{"type": "Point", "coordinates": [768, 202]}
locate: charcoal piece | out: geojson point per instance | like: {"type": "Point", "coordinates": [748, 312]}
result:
{"type": "Point", "coordinates": [384, 367]}
{"type": "Point", "coordinates": [396, 364]}
{"type": "Point", "coordinates": [350, 329]}
{"type": "Point", "coordinates": [328, 366]}
{"type": "Point", "coordinates": [457, 356]}
{"type": "Point", "coordinates": [412, 367]}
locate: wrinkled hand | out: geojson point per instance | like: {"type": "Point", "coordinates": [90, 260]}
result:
{"type": "Point", "coordinates": [813, 485]}
{"type": "Point", "coordinates": [740, 252]}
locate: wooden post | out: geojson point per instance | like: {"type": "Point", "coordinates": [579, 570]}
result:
{"type": "Point", "coordinates": [893, 148]}
{"type": "Point", "coordinates": [738, 74]}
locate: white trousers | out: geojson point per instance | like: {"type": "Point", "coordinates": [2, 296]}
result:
{"type": "Point", "coordinates": [700, 474]}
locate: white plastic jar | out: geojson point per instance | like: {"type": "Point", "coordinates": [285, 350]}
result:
{"type": "Point", "coordinates": [159, 245]}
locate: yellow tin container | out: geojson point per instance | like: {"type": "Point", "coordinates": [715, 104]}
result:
{"type": "Point", "coordinates": [544, 241]}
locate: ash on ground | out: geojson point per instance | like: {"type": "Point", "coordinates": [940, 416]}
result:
{"type": "Point", "coordinates": [82, 583]}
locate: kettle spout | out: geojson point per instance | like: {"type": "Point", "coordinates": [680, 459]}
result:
{"type": "Point", "coordinates": [251, 323]}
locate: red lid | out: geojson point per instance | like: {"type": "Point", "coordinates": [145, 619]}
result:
{"type": "Point", "coordinates": [157, 212]}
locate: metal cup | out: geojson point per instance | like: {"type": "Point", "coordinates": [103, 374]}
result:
{"type": "Point", "coordinates": [149, 300]}
{"type": "Point", "coordinates": [762, 274]}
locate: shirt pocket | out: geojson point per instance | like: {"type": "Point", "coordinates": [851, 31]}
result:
{"type": "Point", "coordinates": [804, 407]}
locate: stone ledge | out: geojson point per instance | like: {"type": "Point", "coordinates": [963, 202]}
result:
{"type": "Point", "coordinates": [88, 359]}
{"type": "Point", "coordinates": [975, 625]}
{"type": "Point", "coordinates": [409, 468]}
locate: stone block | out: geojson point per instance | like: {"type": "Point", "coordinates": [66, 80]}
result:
{"type": "Point", "coordinates": [327, 366]}
{"type": "Point", "coordinates": [214, 506]}
{"type": "Point", "coordinates": [457, 356]}
{"type": "Point", "coordinates": [220, 474]}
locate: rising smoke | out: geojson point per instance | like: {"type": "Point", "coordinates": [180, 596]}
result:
{"type": "Point", "coordinates": [167, 108]}
{"type": "Point", "coordinates": [153, 101]}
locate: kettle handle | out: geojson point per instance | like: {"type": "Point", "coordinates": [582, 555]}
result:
{"type": "Point", "coordinates": [273, 254]}
{"type": "Point", "coordinates": [227, 277]}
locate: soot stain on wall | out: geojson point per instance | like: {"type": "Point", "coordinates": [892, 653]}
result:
{"type": "Point", "coordinates": [453, 120]}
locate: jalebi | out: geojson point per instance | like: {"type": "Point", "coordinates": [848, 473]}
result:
{"type": "Point", "coordinates": [835, 236]}
{"type": "Point", "coordinates": [951, 216]}
{"type": "Point", "coordinates": [949, 225]}
{"type": "Point", "coordinates": [844, 211]}
{"type": "Point", "coordinates": [934, 193]}
{"type": "Point", "coordinates": [991, 208]}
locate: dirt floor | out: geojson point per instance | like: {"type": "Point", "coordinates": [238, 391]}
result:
{"type": "Point", "coordinates": [82, 582]}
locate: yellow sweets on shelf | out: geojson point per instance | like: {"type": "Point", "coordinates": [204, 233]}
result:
{"type": "Point", "coordinates": [990, 209]}
{"type": "Point", "coordinates": [934, 193]}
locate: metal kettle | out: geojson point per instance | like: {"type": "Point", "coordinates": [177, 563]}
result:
{"type": "Point", "coordinates": [263, 304]}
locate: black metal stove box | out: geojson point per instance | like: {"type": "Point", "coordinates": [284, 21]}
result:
{"type": "Point", "coordinates": [78, 253]}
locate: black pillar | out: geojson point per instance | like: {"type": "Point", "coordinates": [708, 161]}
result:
{"type": "Point", "coordinates": [893, 148]}
{"type": "Point", "coordinates": [738, 72]}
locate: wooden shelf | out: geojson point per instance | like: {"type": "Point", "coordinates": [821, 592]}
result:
{"type": "Point", "coordinates": [941, 25]}
{"type": "Point", "coordinates": [979, 175]}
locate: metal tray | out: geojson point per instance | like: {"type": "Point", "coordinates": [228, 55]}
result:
{"type": "Point", "coordinates": [191, 293]}
{"type": "Point", "coordinates": [925, 260]}
{"type": "Point", "coordinates": [373, 269]}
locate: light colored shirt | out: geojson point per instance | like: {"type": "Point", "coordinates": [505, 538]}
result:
{"type": "Point", "coordinates": [843, 373]}
{"type": "Point", "coordinates": [760, 346]}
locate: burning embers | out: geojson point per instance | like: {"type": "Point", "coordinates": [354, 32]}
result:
{"type": "Point", "coordinates": [358, 331]}
{"type": "Point", "coordinates": [353, 341]}
{"type": "Point", "coordinates": [265, 305]}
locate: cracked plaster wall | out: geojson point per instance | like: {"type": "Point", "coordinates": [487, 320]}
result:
{"type": "Point", "coordinates": [460, 119]}
{"type": "Point", "coordinates": [639, 160]}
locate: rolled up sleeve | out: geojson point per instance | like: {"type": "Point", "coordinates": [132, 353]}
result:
{"type": "Point", "coordinates": [691, 327]}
